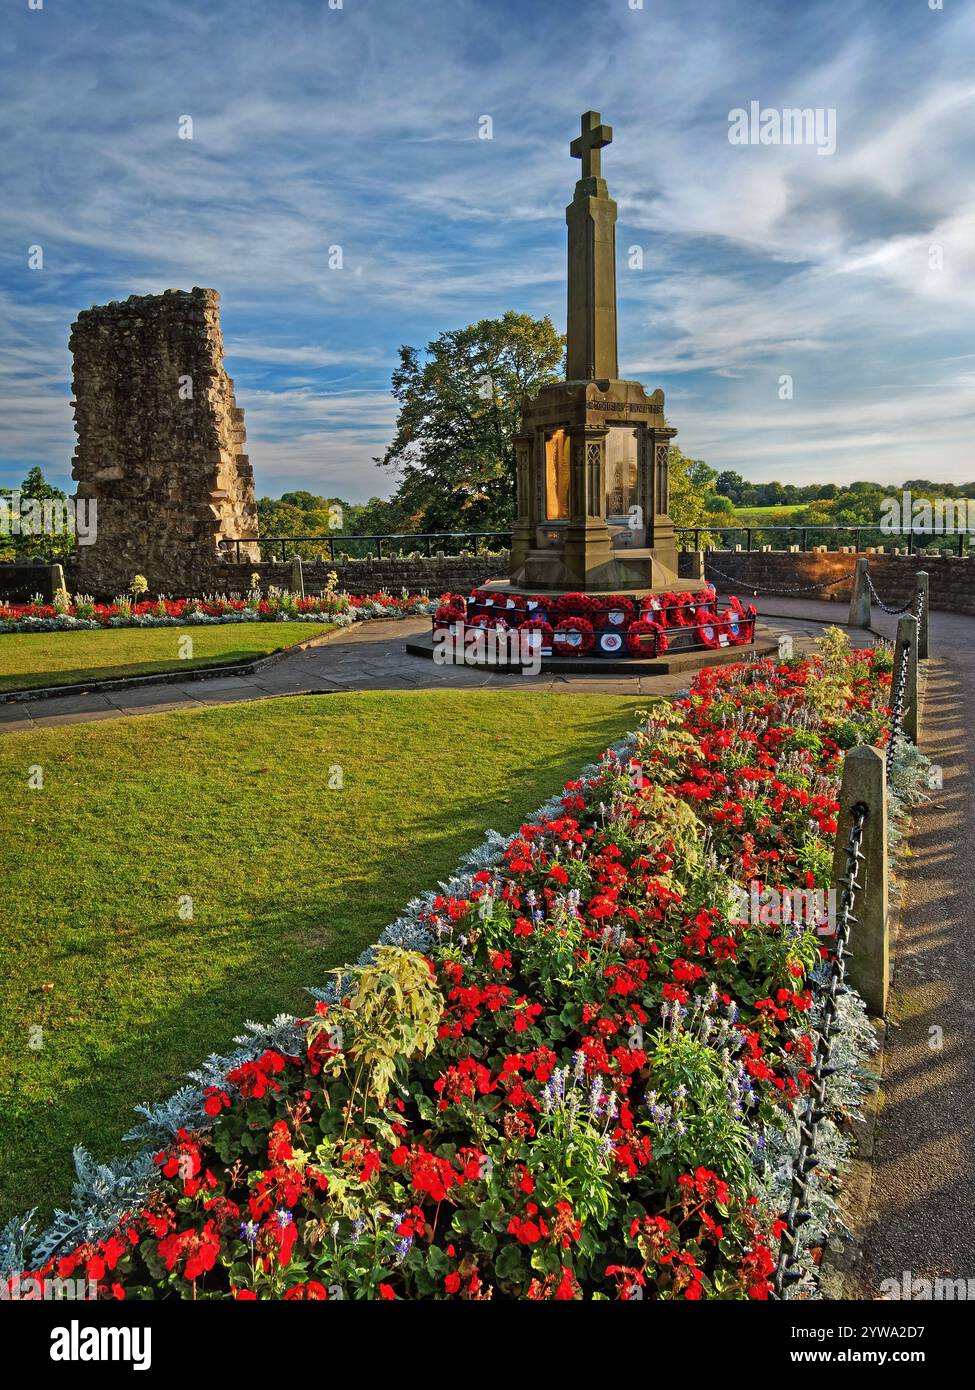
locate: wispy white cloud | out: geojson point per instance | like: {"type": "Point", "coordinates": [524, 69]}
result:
{"type": "Point", "coordinates": [359, 128]}
{"type": "Point", "coordinates": [307, 355]}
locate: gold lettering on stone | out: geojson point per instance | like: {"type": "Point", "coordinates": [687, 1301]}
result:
{"type": "Point", "coordinates": [621, 471]}
{"type": "Point", "coordinates": [557, 476]}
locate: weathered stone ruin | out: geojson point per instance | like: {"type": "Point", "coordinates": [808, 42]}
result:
{"type": "Point", "coordinates": [159, 444]}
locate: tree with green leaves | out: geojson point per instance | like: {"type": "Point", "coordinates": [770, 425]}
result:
{"type": "Point", "coordinates": [731, 485]}
{"type": "Point", "coordinates": [460, 404]}
{"type": "Point", "coordinates": [27, 545]}
{"type": "Point", "coordinates": [304, 514]}
{"type": "Point", "coordinates": [691, 485]}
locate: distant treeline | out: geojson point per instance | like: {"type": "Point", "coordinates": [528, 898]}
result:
{"type": "Point", "coordinates": [744, 494]}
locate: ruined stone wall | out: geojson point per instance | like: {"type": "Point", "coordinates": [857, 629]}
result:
{"type": "Point", "coordinates": [159, 442]}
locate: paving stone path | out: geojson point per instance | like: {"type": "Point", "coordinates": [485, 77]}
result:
{"type": "Point", "coordinates": [922, 1198]}
{"type": "Point", "coordinates": [370, 656]}
{"type": "Point", "coordinates": [921, 1212]}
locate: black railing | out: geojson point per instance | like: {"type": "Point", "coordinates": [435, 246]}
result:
{"type": "Point", "coordinates": [913, 535]}
{"type": "Point", "coordinates": [451, 542]}
{"type": "Point", "coordinates": [414, 539]}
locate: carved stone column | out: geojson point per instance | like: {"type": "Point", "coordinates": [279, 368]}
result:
{"type": "Point", "coordinates": [591, 319]}
{"type": "Point", "coordinates": [590, 351]}
{"type": "Point", "coordinates": [644, 495]}
{"type": "Point", "coordinates": [661, 537]}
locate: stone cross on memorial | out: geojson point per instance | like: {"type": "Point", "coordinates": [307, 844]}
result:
{"type": "Point", "coordinates": [587, 145]}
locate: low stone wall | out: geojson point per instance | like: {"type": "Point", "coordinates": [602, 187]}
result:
{"type": "Point", "coordinates": [438, 574]}
{"type": "Point", "coordinates": [952, 579]}
{"type": "Point", "coordinates": [21, 580]}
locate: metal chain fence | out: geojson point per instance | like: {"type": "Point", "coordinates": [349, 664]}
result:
{"type": "Point", "coordinates": [899, 688]}
{"type": "Point", "coordinates": [894, 612]}
{"type": "Point", "coordinates": [781, 588]}
{"type": "Point", "coordinates": [818, 588]}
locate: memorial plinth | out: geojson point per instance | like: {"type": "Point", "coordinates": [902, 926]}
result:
{"type": "Point", "coordinates": [593, 464]}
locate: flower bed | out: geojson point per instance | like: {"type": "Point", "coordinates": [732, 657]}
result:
{"type": "Point", "coordinates": [85, 615]}
{"type": "Point", "coordinates": [565, 1075]}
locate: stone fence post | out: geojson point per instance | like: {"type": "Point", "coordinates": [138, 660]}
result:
{"type": "Point", "coordinates": [697, 565]}
{"type": "Point", "coordinates": [864, 783]}
{"type": "Point", "coordinates": [860, 597]}
{"type": "Point", "coordinates": [297, 577]}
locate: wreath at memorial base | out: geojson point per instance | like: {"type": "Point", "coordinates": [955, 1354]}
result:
{"type": "Point", "coordinates": [447, 614]}
{"type": "Point", "coordinates": [576, 605]}
{"type": "Point", "coordinates": [705, 604]}
{"type": "Point", "coordinates": [744, 630]}
{"type": "Point", "coordinates": [659, 608]}
{"type": "Point", "coordinates": [488, 620]}
{"type": "Point", "coordinates": [637, 632]}
{"type": "Point", "coordinates": [710, 632]}
{"type": "Point", "coordinates": [575, 623]}
{"type": "Point", "coordinates": [537, 625]}
{"type": "Point", "coordinates": [573, 637]}
{"type": "Point", "coordinates": [512, 603]}
{"type": "Point", "coordinates": [618, 603]}
{"type": "Point", "coordinates": [610, 641]}
{"type": "Point", "coordinates": [685, 610]}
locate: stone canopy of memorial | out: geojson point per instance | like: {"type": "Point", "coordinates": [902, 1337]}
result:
{"type": "Point", "coordinates": [593, 451]}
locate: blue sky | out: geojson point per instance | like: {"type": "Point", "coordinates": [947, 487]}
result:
{"type": "Point", "coordinates": [359, 127]}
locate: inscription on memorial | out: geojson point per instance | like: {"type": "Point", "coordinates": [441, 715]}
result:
{"type": "Point", "coordinates": [627, 407]}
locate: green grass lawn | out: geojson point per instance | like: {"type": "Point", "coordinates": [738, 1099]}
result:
{"type": "Point", "coordinates": [768, 516]}
{"type": "Point", "coordinates": [32, 659]}
{"type": "Point", "coordinates": [231, 806]}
